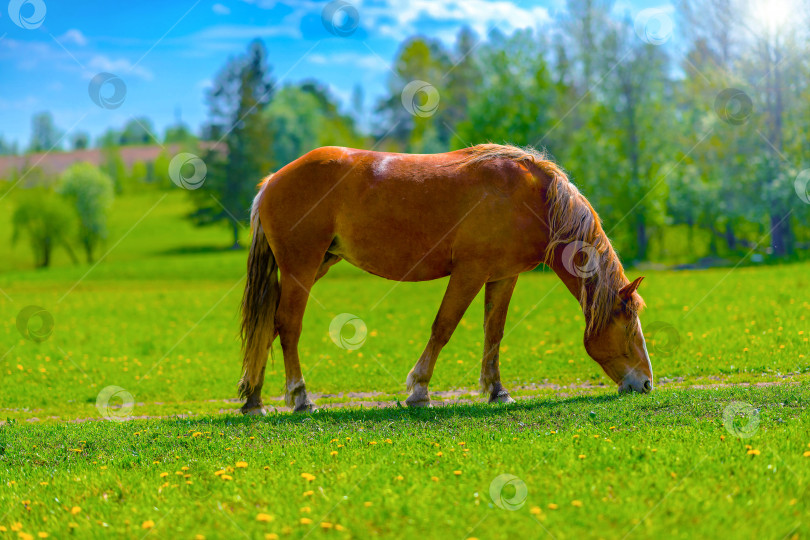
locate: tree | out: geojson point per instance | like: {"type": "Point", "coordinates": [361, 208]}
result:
{"type": "Point", "coordinates": [304, 117]}
{"type": "Point", "coordinates": [90, 191]}
{"type": "Point", "coordinates": [514, 100]}
{"type": "Point", "coordinates": [419, 59]}
{"type": "Point", "coordinates": [45, 135]}
{"type": "Point", "coordinates": [179, 133]}
{"type": "Point", "coordinates": [112, 164]}
{"type": "Point", "coordinates": [137, 131]}
{"type": "Point", "coordinates": [7, 148]}
{"type": "Point", "coordinates": [80, 140]}
{"type": "Point", "coordinates": [639, 123]}
{"type": "Point", "coordinates": [241, 92]}
{"type": "Point", "coordinates": [46, 220]}
{"type": "Point", "coordinates": [752, 69]}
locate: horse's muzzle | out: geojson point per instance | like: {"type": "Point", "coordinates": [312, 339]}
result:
{"type": "Point", "coordinates": [642, 385]}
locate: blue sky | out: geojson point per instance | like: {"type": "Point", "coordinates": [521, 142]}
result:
{"type": "Point", "coordinates": [167, 52]}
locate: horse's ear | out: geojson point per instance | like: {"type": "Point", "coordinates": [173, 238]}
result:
{"type": "Point", "coordinates": [627, 291]}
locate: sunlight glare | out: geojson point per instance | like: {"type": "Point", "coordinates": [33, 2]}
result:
{"type": "Point", "coordinates": [773, 14]}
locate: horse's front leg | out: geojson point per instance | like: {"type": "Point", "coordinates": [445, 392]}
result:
{"type": "Point", "coordinates": [460, 292]}
{"type": "Point", "coordinates": [496, 304]}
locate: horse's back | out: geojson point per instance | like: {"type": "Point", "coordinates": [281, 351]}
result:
{"type": "Point", "coordinates": [402, 216]}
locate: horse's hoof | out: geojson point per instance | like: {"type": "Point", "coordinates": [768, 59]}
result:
{"type": "Point", "coordinates": [501, 397]}
{"type": "Point", "coordinates": [254, 411]}
{"type": "Point", "coordinates": [422, 402]}
{"type": "Point", "coordinates": [307, 407]}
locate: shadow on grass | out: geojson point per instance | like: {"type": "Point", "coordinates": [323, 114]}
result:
{"type": "Point", "coordinates": [403, 413]}
{"type": "Point", "coordinates": [688, 403]}
{"type": "Point", "coordinates": [198, 250]}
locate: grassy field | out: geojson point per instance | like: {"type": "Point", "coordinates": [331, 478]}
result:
{"type": "Point", "coordinates": [156, 319]}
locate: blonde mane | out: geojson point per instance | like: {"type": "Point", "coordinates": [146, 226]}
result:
{"type": "Point", "coordinates": [571, 218]}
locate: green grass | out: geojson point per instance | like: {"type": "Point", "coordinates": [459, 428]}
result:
{"type": "Point", "coordinates": [158, 317]}
{"type": "Point", "coordinates": [656, 466]}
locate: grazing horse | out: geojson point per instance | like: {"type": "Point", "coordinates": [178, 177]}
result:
{"type": "Point", "coordinates": [481, 215]}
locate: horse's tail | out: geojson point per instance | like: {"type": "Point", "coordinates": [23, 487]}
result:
{"type": "Point", "coordinates": [259, 304]}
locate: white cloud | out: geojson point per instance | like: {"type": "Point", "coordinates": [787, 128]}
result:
{"type": "Point", "coordinates": [365, 61]}
{"type": "Point", "coordinates": [480, 15]}
{"type": "Point", "coordinates": [121, 67]}
{"type": "Point", "coordinates": [399, 19]}
{"type": "Point", "coordinates": [221, 9]}
{"type": "Point", "coordinates": [73, 36]}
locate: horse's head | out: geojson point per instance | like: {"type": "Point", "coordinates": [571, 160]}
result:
{"type": "Point", "coordinates": [620, 348]}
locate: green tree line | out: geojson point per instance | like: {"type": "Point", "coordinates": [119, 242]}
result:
{"type": "Point", "coordinates": [689, 144]}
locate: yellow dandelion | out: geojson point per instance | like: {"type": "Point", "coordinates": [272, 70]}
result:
{"type": "Point", "coordinates": [305, 510]}
{"type": "Point", "coordinates": [305, 521]}
{"type": "Point", "coordinates": [434, 478]}
{"type": "Point", "coordinates": [148, 524]}
{"type": "Point", "coordinates": [42, 534]}
{"type": "Point", "coordinates": [400, 477]}
{"type": "Point", "coordinates": [367, 504]}
{"type": "Point", "coordinates": [576, 503]}
{"type": "Point", "coordinates": [164, 474]}
{"type": "Point", "coordinates": [457, 473]}
{"type": "Point", "coordinates": [333, 453]}
{"type": "Point", "coordinates": [582, 456]}
{"type": "Point", "coordinates": [326, 525]}
{"type": "Point", "coordinates": [75, 510]}
{"type": "Point", "coordinates": [552, 506]}
{"type": "Point", "coordinates": [226, 477]}
{"type": "Point", "coordinates": [806, 454]}
{"type": "Point", "coordinates": [308, 477]}
{"type": "Point", "coordinates": [266, 518]}
{"type": "Point", "coordinates": [535, 510]}
{"type": "Point", "coordinates": [271, 536]}
{"type": "Point", "coordinates": [309, 493]}
{"type": "Point", "coordinates": [219, 472]}
{"type": "Point", "coordinates": [241, 464]}
{"type": "Point", "coordinates": [753, 452]}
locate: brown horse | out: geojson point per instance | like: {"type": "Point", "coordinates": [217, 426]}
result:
{"type": "Point", "coordinates": [481, 215]}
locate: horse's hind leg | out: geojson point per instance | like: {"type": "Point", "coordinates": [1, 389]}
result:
{"type": "Point", "coordinates": [253, 404]}
{"type": "Point", "coordinates": [460, 292]}
{"type": "Point", "coordinates": [496, 303]}
{"type": "Point", "coordinates": [296, 284]}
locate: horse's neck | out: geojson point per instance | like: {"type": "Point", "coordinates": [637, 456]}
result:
{"type": "Point", "coordinates": [573, 282]}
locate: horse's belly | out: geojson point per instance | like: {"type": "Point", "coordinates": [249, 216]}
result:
{"type": "Point", "coordinates": [402, 259]}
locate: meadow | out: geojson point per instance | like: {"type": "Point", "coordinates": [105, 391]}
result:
{"type": "Point", "coordinates": [156, 320]}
